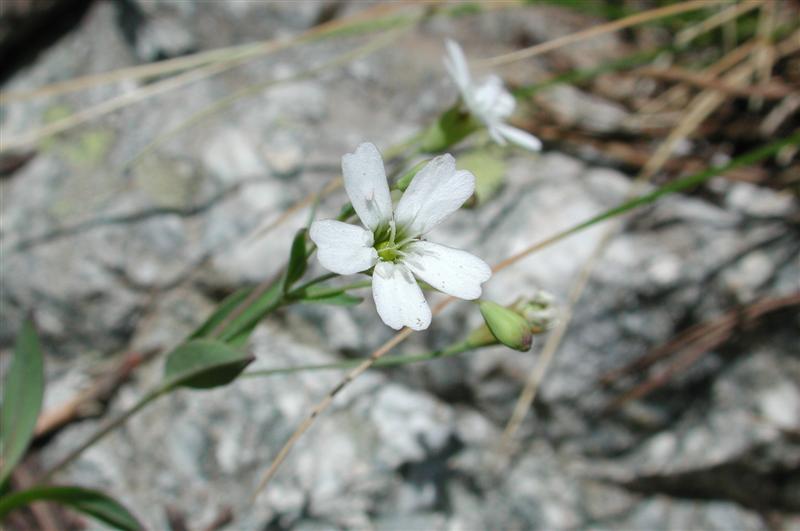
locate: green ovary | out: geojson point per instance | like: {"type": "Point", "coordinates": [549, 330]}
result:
{"type": "Point", "coordinates": [387, 251]}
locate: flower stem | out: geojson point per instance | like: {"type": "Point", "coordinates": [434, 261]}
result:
{"type": "Point", "coordinates": [452, 350]}
{"type": "Point", "coordinates": [105, 430]}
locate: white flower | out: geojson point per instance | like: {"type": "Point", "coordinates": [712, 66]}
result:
{"type": "Point", "coordinates": [392, 241]}
{"type": "Point", "coordinates": [489, 101]}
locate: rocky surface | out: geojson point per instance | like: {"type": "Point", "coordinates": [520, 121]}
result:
{"type": "Point", "coordinates": [115, 252]}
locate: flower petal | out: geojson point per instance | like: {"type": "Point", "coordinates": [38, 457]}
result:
{"type": "Point", "coordinates": [452, 271]}
{"type": "Point", "coordinates": [366, 185]}
{"type": "Point", "coordinates": [343, 248]}
{"type": "Point", "coordinates": [437, 191]}
{"type": "Point", "coordinates": [398, 298]}
{"type": "Point", "coordinates": [519, 137]}
{"type": "Point", "coordinates": [456, 65]}
{"type": "Point", "coordinates": [491, 101]}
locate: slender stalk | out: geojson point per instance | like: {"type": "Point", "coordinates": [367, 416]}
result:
{"type": "Point", "coordinates": [108, 428]}
{"type": "Point", "coordinates": [394, 361]}
{"type": "Point", "coordinates": [327, 292]}
{"type": "Point", "coordinates": [594, 31]}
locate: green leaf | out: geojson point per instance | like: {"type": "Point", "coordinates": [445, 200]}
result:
{"type": "Point", "coordinates": [298, 258]}
{"type": "Point", "coordinates": [453, 126]}
{"type": "Point", "coordinates": [489, 171]}
{"type": "Point", "coordinates": [22, 399]}
{"type": "Point", "coordinates": [243, 324]}
{"type": "Point", "coordinates": [346, 212]}
{"type": "Point", "coordinates": [223, 310]}
{"type": "Point", "coordinates": [339, 299]}
{"type": "Point", "coordinates": [203, 364]}
{"type": "Point", "coordinates": [86, 501]}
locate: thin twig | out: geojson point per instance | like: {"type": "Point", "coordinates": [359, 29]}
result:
{"type": "Point", "coordinates": [379, 42]}
{"type": "Point", "coordinates": [774, 91]}
{"type": "Point", "coordinates": [230, 54]}
{"type": "Point", "coordinates": [703, 105]}
{"type": "Point", "coordinates": [536, 376]}
{"type": "Point", "coordinates": [679, 93]}
{"type": "Point", "coordinates": [100, 392]}
{"type": "Point", "coordinates": [174, 82]}
{"type": "Point", "coordinates": [326, 402]}
{"type": "Point", "coordinates": [733, 12]}
{"type": "Point", "coordinates": [699, 340]}
{"type": "Point", "coordinates": [610, 27]}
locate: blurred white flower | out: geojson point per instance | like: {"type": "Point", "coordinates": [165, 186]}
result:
{"type": "Point", "coordinates": [392, 240]}
{"type": "Point", "coordinates": [488, 101]}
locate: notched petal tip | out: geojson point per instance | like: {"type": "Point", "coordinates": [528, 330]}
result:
{"type": "Point", "coordinates": [398, 298]}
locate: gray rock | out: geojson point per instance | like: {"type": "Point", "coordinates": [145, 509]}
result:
{"type": "Point", "coordinates": [114, 260]}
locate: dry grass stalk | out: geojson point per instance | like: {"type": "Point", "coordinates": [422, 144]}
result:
{"type": "Point", "coordinates": [610, 27]}
{"type": "Point", "coordinates": [702, 106]}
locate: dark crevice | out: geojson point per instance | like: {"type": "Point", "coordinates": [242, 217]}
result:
{"type": "Point", "coordinates": [30, 28]}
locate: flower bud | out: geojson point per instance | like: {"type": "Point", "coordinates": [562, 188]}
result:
{"type": "Point", "coordinates": [509, 327]}
{"type": "Point", "coordinates": [539, 311]}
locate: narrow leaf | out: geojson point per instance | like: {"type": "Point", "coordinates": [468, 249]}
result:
{"type": "Point", "coordinates": [223, 310]}
{"type": "Point", "coordinates": [22, 399]}
{"type": "Point", "coordinates": [298, 259]}
{"type": "Point", "coordinates": [244, 323]}
{"type": "Point", "coordinates": [203, 364]}
{"type": "Point", "coordinates": [86, 501]}
{"type": "Point", "coordinates": [339, 299]}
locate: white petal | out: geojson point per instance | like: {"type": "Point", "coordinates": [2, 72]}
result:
{"type": "Point", "coordinates": [343, 248]}
{"type": "Point", "coordinates": [492, 101]}
{"type": "Point", "coordinates": [452, 271]}
{"type": "Point", "coordinates": [398, 298]}
{"type": "Point", "coordinates": [366, 185]}
{"type": "Point", "coordinates": [494, 132]}
{"type": "Point", "coordinates": [518, 136]}
{"type": "Point", "coordinates": [456, 65]}
{"type": "Point", "coordinates": [437, 191]}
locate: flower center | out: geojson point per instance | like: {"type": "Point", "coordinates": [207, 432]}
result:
{"type": "Point", "coordinates": [388, 251]}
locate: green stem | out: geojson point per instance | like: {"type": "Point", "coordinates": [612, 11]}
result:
{"type": "Point", "coordinates": [392, 361]}
{"type": "Point", "coordinates": [108, 428]}
{"type": "Point", "coordinates": [313, 282]}
{"type": "Point", "coordinates": [327, 292]}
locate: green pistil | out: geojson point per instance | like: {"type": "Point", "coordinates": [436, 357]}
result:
{"type": "Point", "coordinates": [387, 251]}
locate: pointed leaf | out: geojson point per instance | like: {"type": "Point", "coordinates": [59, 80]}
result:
{"type": "Point", "coordinates": [298, 259]}
{"type": "Point", "coordinates": [22, 399]}
{"type": "Point", "coordinates": [86, 501]}
{"type": "Point", "coordinates": [223, 310]}
{"type": "Point", "coordinates": [244, 323]}
{"type": "Point", "coordinates": [338, 299]}
{"type": "Point", "coordinates": [203, 364]}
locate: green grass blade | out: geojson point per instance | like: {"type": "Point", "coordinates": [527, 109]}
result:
{"type": "Point", "coordinates": [22, 399]}
{"type": "Point", "coordinates": [86, 501]}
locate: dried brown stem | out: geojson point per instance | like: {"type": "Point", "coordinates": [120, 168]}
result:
{"type": "Point", "coordinates": [773, 91]}
{"type": "Point", "coordinates": [610, 27]}
{"type": "Point", "coordinates": [693, 344]}
{"type": "Point", "coordinates": [105, 386]}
